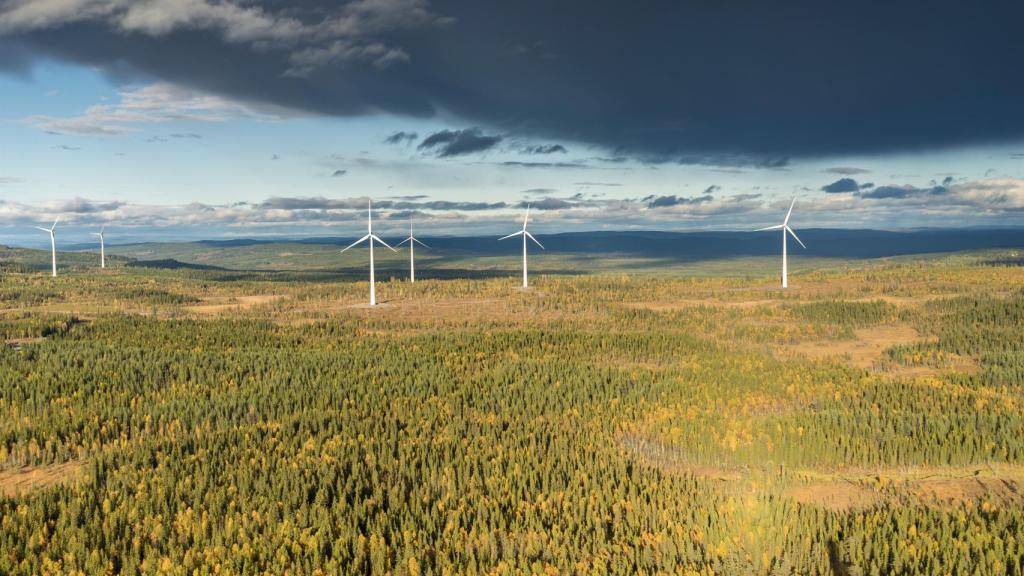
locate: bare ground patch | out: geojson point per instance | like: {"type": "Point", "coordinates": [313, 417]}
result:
{"type": "Point", "coordinates": [834, 495]}
{"type": "Point", "coordinates": [865, 349]}
{"type": "Point", "coordinates": [1000, 483]}
{"type": "Point", "coordinates": [17, 343]}
{"type": "Point", "coordinates": [216, 305]}
{"type": "Point", "coordinates": [29, 478]}
{"type": "Point", "coordinates": [868, 348]}
{"type": "Point", "coordinates": [694, 302]}
{"type": "Point", "coordinates": [848, 488]}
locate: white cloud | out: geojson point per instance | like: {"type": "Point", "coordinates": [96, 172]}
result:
{"type": "Point", "coordinates": [990, 201]}
{"type": "Point", "coordinates": [152, 104]}
{"type": "Point", "coordinates": [992, 194]}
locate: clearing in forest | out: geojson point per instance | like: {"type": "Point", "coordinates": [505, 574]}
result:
{"type": "Point", "coordinates": [24, 480]}
{"type": "Point", "coordinates": [865, 349]}
{"type": "Point", "coordinates": [216, 305]}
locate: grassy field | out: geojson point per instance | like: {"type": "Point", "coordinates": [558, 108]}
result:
{"type": "Point", "coordinates": [649, 417]}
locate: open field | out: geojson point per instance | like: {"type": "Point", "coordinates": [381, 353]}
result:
{"type": "Point", "coordinates": [636, 420]}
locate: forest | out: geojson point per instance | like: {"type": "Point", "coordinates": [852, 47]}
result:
{"type": "Point", "coordinates": [866, 421]}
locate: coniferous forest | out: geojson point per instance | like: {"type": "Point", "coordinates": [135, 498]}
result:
{"type": "Point", "coordinates": [867, 421]}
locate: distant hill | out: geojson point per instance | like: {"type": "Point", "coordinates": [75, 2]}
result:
{"type": "Point", "coordinates": [681, 246]}
{"type": "Point", "coordinates": [171, 264]}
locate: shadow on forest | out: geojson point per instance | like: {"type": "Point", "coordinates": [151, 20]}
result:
{"type": "Point", "coordinates": [839, 568]}
{"type": "Point", "coordinates": [1007, 261]}
{"type": "Point", "coordinates": [218, 274]}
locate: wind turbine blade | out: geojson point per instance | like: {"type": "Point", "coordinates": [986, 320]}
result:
{"type": "Point", "coordinates": [511, 235]}
{"type": "Point", "coordinates": [54, 224]}
{"type": "Point", "coordinates": [790, 230]}
{"type": "Point", "coordinates": [100, 234]}
{"type": "Point", "coordinates": [530, 236]}
{"type": "Point", "coordinates": [786, 221]}
{"type": "Point", "coordinates": [527, 218]}
{"type": "Point", "coordinates": [770, 228]}
{"type": "Point", "coordinates": [418, 242]}
{"type": "Point", "coordinates": [357, 242]}
{"type": "Point", "coordinates": [377, 238]}
{"type": "Point", "coordinates": [47, 230]}
{"type": "Point", "coordinates": [404, 241]}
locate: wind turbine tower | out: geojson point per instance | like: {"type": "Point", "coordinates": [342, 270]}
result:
{"type": "Point", "coordinates": [785, 229]}
{"type": "Point", "coordinates": [370, 236]}
{"type": "Point", "coordinates": [53, 245]}
{"type": "Point", "coordinates": [525, 234]}
{"type": "Point", "coordinates": [412, 249]}
{"type": "Point", "coordinates": [103, 253]}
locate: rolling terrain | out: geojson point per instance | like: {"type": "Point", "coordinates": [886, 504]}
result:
{"type": "Point", "coordinates": [656, 416]}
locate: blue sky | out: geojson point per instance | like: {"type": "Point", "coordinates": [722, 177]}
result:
{"type": "Point", "coordinates": [156, 160]}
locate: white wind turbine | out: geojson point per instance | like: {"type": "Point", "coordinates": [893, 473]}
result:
{"type": "Point", "coordinates": [103, 253]}
{"type": "Point", "coordinates": [785, 228]}
{"type": "Point", "coordinates": [371, 237]}
{"type": "Point", "coordinates": [53, 244]}
{"type": "Point", "coordinates": [412, 259]}
{"type": "Point", "coordinates": [525, 234]}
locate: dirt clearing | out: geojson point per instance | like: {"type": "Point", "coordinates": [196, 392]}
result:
{"type": "Point", "coordinates": [211, 306]}
{"type": "Point", "coordinates": [865, 349]}
{"type": "Point", "coordinates": [24, 480]}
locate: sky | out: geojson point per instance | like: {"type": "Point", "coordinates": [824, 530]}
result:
{"type": "Point", "coordinates": [188, 119]}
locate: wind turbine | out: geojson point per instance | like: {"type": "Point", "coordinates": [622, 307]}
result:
{"type": "Point", "coordinates": [525, 234]}
{"type": "Point", "coordinates": [785, 228]}
{"type": "Point", "coordinates": [371, 237]}
{"type": "Point", "coordinates": [412, 245]}
{"type": "Point", "coordinates": [53, 244]}
{"type": "Point", "coordinates": [103, 253]}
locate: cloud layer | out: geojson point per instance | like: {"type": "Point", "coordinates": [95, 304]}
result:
{"type": "Point", "coordinates": [655, 83]}
{"type": "Point", "coordinates": [991, 201]}
{"type": "Point", "coordinates": [152, 104]}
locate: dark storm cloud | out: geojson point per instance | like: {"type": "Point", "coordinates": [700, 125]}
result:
{"type": "Point", "coordinates": [401, 138]}
{"type": "Point", "coordinates": [947, 180]}
{"type": "Point", "coordinates": [448, 143]}
{"type": "Point", "coordinates": [668, 201]}
{"type": "Point", "coordinates": [406, 214]}
{"type": "Point", "coordinates": [845, 170]}
{"type": "Point", "coordinates": [543, 149]}
{"type": "Point", "coordinates": [311, 203]}
{"type": "Point", "coordinates": [83, 206]}
{"type": "Point", "coordinates": [901, 192]}
{"type": "Point", "coordinates": [321, 203]}
{"type": "Point", "coordinates": [745, 197]}
{"type": "Point", "coordinates": [721, 159]}
{"type": "Point", "coordinates": [712, 189]}
{"type": "Point", "coordinates": [445, 205]}
{"type": "Point", "coordinates": [841, 186]}
{"type": "Point", "coordinates": [339, 173]}
{"type": "Point", "coordinates": [597, 71]}
{"type": "Point", "coordinates": [517, 164]}
{"type": "Point", "coordinates": [187, 136]}
{"type": "Point", "coordinates": [884, 192]}
{"type": "Point", "coordinates": [548, 204]}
